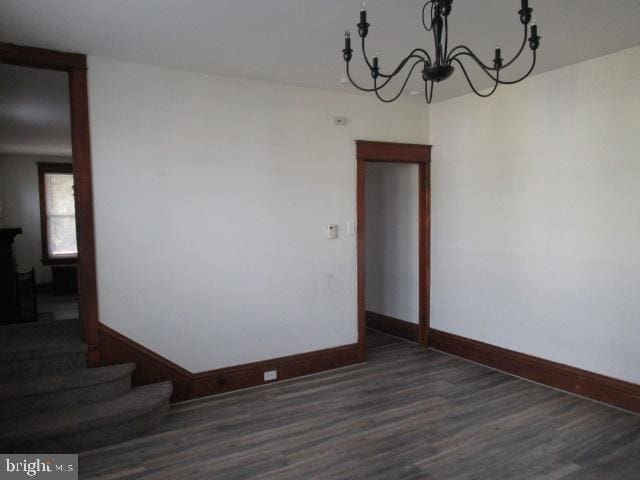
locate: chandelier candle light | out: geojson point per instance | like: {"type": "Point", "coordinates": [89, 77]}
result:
{"type": "Point", "coordinates": [441, 67]}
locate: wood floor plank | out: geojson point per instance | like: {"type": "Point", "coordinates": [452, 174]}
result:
{"type": "Point", "coordinates": [408, 414]}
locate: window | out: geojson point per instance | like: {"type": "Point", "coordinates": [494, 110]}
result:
{"type": "Point", "coordinates": [57, 213]}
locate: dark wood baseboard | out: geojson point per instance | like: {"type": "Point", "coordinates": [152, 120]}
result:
{"type": "Point", "coordinates": [252, 374]}
{"type": "Point", "coordinates": [393, 326]}
{"type": "Point", "coordinates": [612, 391]}
{"type": "Point", "coordinates": [151, 367]}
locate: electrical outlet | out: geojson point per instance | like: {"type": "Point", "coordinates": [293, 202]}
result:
{"type": "Point", "coordinates": [270, 376]}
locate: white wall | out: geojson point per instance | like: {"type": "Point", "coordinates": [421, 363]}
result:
{"type": "Point", "coordinates": [391, 236]}
{"type": "Point", "coordinates": [212, 198]}
{"type": "Point", "coordinates": [20, 207]}
{"type": "Point", "coordinates": [536, 216]}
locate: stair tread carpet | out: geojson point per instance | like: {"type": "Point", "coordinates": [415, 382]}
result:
{"type": "Point", "coordinates": [46, 328]}
{"type": "Point", "coordinates": [44, 346]}
{"type": "Point", "coordinates": [64, 380]}
{"type": "Point", "coordinates": [127, 408]}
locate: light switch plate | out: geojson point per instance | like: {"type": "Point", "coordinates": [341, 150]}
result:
{"type": "Point", "coordinates": [332, 232]}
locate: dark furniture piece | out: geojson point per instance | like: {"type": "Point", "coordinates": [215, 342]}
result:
{"type": "Point", "coordinates": [9, 305]}
{"type": "Point", "coordinates": [64, 279]}
{"type": "Point", "coordinates": [27, 297]}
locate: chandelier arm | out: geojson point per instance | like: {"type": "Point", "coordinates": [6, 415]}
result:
{"type": "Point", "coordinates": [517, 55]}
{"type": "Point", "coordinates": [446, 37]}
{"type": "Point", "coordinates": [404, 84]}
{"type": "Point", "coordinates": [435, 43]}
{"type": "Point", "coordinates": [533, 65]}
{"type": "Point", "coordinates": [387, 80]}
{"type": "Point", "coordinates": [401, 65]}
{"type": "Point", "coordinates": [364, 89]}
{"type": "Point", "coordinates": [497, 77]}
{"type": "Point", "coordinates": [366, 59]}
{"type": "Point", "coordinates": [475, 90]}
{"type": "Point", "coordinates": [424, 8]}
{"type": "Point", "coordinates": [424, 52]}
{"type": "Point", "coordinates": [428, 91]}
{"type": "Point", "coordinates": [468, 51]}
{"type": "Point", "coordinates": [482, 66]}
{"type": "Point", "coordinates": [437, 46]}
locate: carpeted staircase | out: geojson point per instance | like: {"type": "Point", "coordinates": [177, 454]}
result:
{"type": "Point", "coordinates": [51, 403]}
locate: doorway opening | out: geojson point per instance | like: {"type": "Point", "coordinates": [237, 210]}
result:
{"type": "Point", "coordinates": [393, 215]}
{"type": "Point", "coordinates": [37, 212]}
{"type": "Point", "coordinates": [72, 258]}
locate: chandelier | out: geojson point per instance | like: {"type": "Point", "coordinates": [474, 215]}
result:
{"type": "Point", "coordinates": [441, 66]}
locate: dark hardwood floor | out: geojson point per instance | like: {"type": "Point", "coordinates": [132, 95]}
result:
{"type": "Point", "coordinates": [377, 339]}
{"type": "Point", "coordinates": [407, 414]}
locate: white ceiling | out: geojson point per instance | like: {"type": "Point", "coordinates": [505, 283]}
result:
{"type": "Point", "coordinates": [298, 42]}
{"type": "Point", "coordinates": [34, 111]}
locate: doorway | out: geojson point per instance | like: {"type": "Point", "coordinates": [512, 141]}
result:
{"type": "Point", "coordinates": [37, 218]}
{"type": "Point", "coordinates": [74, 66]}
{"type": "Point", "coordinates": [378, 159]}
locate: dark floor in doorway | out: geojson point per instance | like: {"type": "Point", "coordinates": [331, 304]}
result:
{"type": "Point", "coordinates": [377, 339]}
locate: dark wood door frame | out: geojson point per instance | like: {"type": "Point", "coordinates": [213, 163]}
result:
{"type": "Point", "coordinates": [75, 65]}
{"type": "Point", "coordinates": [367, 151]}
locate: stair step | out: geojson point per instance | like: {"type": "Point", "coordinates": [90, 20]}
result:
{"type": "Point", "coordinates": [86, 427]}
{"type": "Point", "coordinates": [29, 357]}
{"type": "Point", "coordinates": [50, 328]}
{"type": "Point", "coordinates": [57, 391]}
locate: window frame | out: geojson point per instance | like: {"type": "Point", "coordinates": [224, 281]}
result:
{"type": "Point", "coordinates": [43, 169]}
